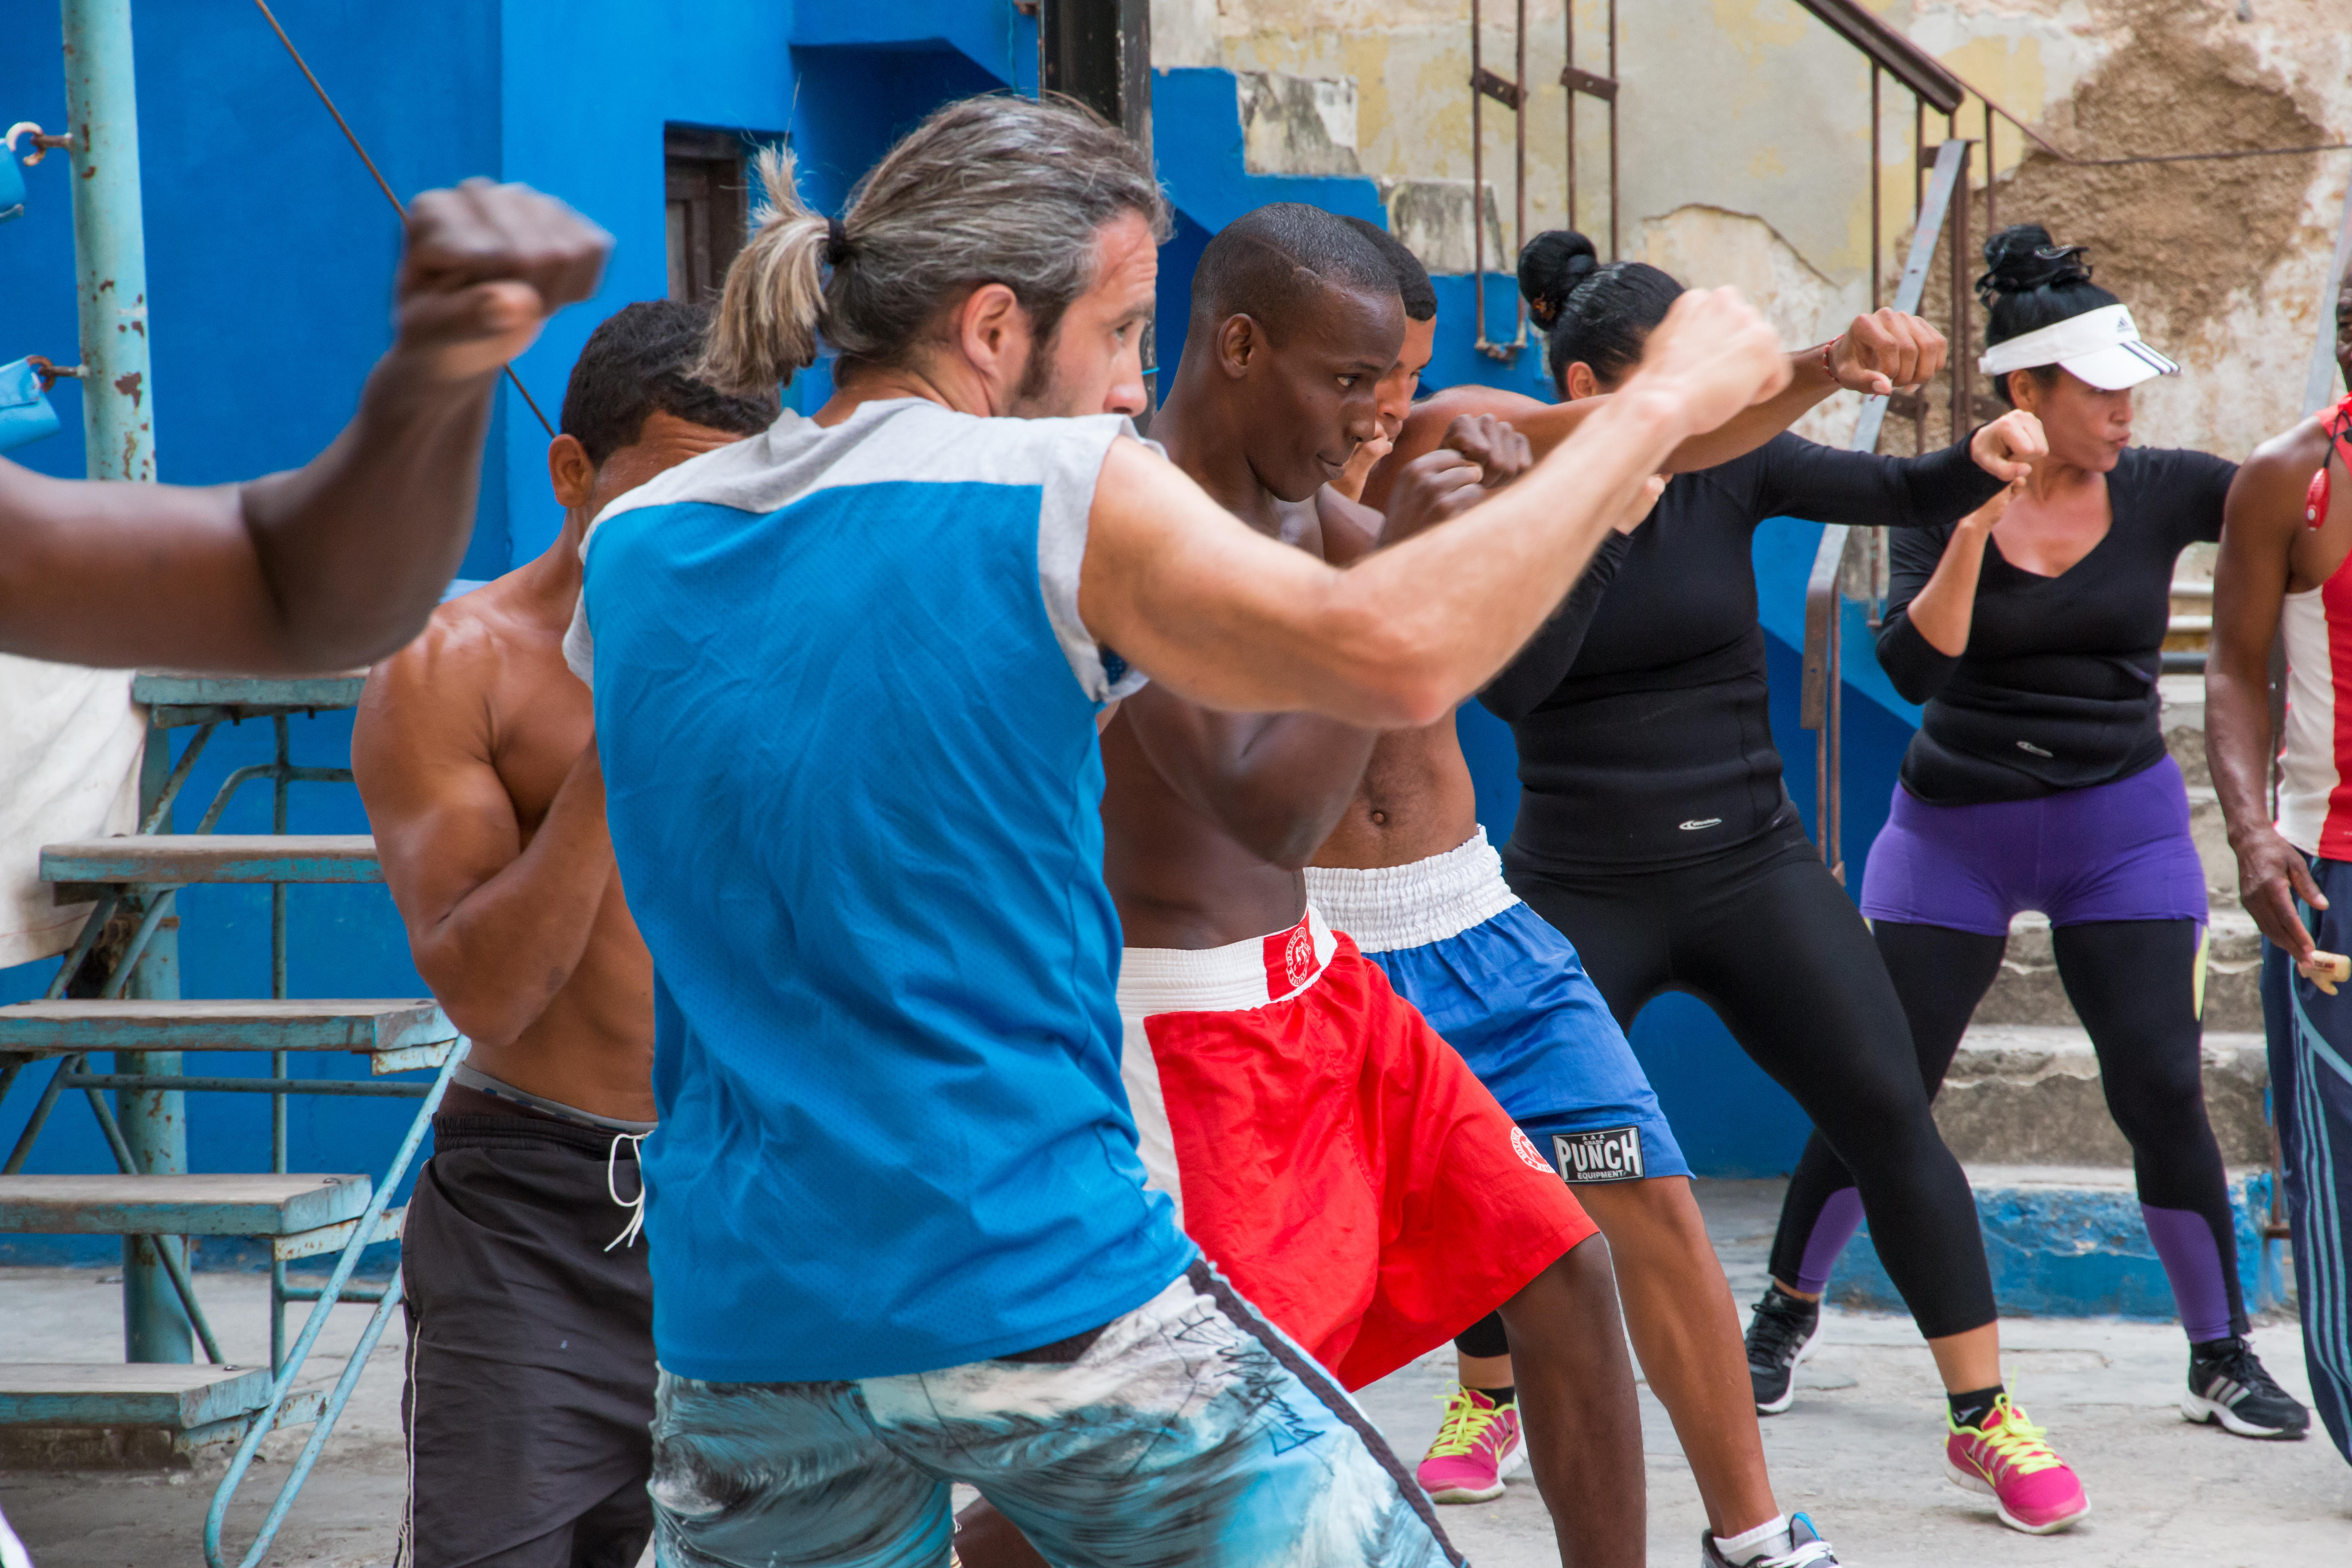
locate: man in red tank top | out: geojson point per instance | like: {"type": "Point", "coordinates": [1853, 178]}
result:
{"type": "Point", "coordinates": [2285, 570]}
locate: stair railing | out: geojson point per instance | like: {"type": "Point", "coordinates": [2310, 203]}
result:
{"type": "Point", "coordinates": [1847, 553]}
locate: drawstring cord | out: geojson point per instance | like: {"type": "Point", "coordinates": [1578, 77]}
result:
{"type": "Point", "coordinates": [636, 1206]}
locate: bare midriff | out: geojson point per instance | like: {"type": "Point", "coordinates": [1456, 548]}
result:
{"type": "Point", "coordinates": [1416, 801]}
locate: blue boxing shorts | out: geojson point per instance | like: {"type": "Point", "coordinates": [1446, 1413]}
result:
{"type": "Point", "coordinates": [1508, 992]}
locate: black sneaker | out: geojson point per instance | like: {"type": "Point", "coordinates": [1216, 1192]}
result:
{"type": "Point", "coordinates": [1782, 1334]}
{"type": "Point", "coordinates": [1806, 1550]}
{"type": "Point", "coordinates": [2227, 1385]}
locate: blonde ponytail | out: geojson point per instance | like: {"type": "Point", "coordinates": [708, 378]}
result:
{"type": "Point", "coordinates": [990, 189]}
{"type": "Point", "coordinates": [773, 302]}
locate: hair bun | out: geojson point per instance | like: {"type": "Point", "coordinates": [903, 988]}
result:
{"type": "Point", "coordinates": [2023, 258]}
{"type": "Point", "coordinates": [1551, 266]}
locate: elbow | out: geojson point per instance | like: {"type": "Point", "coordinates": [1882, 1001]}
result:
{"type": "Point", "coordinates": [1397, 673]}
{"type": "Point", "coordinates": [1410, 699]}
{"type": "Point", "coordinates": [342, 636]}
{"type": "Point", "coordinates": [482, 1019]}
{"type": "Point", "coordinates": [1421, 700]}
{"type": "Point", "coordinates": [1505, 703]}
{"type": "Point", "coordinates": [1911, 685]}
{"type": "Point", "coordinates": [489, 1014]}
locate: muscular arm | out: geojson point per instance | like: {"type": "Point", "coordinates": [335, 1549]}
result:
{"type": "Point", "coordinates": [2250, 584]}
{"type": "Point", "coordinates": [1278, 783]}
{"type": "Point", "coordinates": [496, 926]}
{"type": "Point", "coordinates": [1242, 622]}
{"type": "Point", "coordinates": [340, 560]}
{"type": "Point", "coordinates": [1877, 354]}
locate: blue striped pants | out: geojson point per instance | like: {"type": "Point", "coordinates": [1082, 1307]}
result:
{"type": "Point", "coordinates": [2311, 1096]}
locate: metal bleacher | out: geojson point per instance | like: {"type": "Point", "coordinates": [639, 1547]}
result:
{"type": "Point", "coordinates": [117, 992]}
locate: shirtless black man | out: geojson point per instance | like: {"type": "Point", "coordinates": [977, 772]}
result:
{"type": "Point", "coordinates": [2286, 568]}
{"type": "Point", "coordinates": [1324, 1146]}
{"type": "Point", "coordinates": [530, 1376]}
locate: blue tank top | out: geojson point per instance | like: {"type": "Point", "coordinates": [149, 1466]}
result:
{"type": "Point", "coordinates": [846, 711]}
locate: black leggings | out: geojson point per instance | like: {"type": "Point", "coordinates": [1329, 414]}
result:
{"type": "Point", "coordinates": [2133, 983]}
{"type": "Point", "coordinates": [1764, 935]}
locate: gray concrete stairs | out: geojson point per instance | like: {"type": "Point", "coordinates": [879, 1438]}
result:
{"type": "Point", "coordinates": [2022, 1108]}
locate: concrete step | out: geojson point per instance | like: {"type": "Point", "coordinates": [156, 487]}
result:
{"type": "Point", "coordinates": [240, 1204]}
{"type": "Point", "coordinates": [395, 1035]}
{"type": "Point", "coordinates": [2030, 1095]}
{"type": "Point", "coordinates": [137, 1415]}
{"type": "Point", "coordinates": [2028, 990]}
{"type": "Point", "coordinates": [178, 860]}
{"type": "Point", "coordinates": [140, 1394]}
{"type": "Point", "coordinates": [2070, 1242]}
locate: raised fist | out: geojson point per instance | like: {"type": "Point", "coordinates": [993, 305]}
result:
{"type": "Point", "coordinates": [484, 266]}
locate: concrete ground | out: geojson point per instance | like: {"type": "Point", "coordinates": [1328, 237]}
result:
{"type": "Point", "coordinates": [1861, 1451]}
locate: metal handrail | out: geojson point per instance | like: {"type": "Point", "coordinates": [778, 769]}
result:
{"type": "Point", "coordinates": [1820, 707]}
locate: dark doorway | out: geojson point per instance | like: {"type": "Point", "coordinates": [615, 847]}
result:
{"type": "Point", "coordinates": [707, 183]}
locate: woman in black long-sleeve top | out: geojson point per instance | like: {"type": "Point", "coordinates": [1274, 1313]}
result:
{"type": "Point", "coordinates": [1654, 832]}
{"type": "Point", "coordinates": [2039, 780]}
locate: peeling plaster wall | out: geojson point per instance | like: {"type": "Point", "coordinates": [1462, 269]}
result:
{"type": "Point", "coordinates": [1745, 153]}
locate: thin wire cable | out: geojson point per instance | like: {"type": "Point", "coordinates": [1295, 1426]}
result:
{"type": "Point", "coordinates": [381, 182]}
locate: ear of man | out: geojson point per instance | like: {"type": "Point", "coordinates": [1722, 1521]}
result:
{"type": "Point", "coordinates": [992, 332]}
{"type": "Point", "coordinates": [1239, 340]}
{"type": "Point", "coordinates": [570, 472]}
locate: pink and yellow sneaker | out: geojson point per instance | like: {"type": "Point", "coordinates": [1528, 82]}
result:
{"type": "Point", "coordinates": [2004, 1457]}
{"type": "Point", "coordinates": [1477, 1445]}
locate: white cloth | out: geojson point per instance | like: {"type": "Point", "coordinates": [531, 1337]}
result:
{"type": "Point", "coordinates": [70, 748]}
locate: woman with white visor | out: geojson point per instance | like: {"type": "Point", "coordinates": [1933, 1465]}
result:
{"type": "Point", "coordinates": [2039, 780]}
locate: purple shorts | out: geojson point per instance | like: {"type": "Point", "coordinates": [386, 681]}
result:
{"type": "Point", "coordinates": [2117, 851]}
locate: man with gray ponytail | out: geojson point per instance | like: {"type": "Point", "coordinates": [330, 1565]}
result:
{"type": "Point", "coordinates": [847, 678]}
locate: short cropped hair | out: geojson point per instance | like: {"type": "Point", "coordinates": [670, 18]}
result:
{"type": "Point", "coordinates": [1272, 264]}
{"type": "Point", "coordinates": [642, 358]}
{"type": "Point", "coordinates": [1420, 295]}
{"type": "Point", "coordinates": [993, 189]}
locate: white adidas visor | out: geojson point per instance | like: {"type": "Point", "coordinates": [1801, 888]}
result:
{"type": "Point", "coordinates": [2102, 346]}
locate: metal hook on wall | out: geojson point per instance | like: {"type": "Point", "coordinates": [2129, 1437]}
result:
{"type": "Point", "coordinates": [43, 142]}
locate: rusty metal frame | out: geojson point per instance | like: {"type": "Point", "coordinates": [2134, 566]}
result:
{"type": "Point", "coordinates": [1512, 94]}
{"type": "Point", "coordinates": [1578, 80]}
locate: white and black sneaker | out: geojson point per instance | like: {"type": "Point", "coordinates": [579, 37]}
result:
{"type": "Point", "coordinates": [2227, 1385]}
{"type": "Point", "coordinates": [1806, 1550]}
{"type": "Point", "coordinates": [1782, 1334]}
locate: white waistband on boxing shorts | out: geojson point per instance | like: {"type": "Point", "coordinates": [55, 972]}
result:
{"type": "Point", "coordinates": [1251, 973]}
{"type": "Point", "coordinates": [1392, 907]}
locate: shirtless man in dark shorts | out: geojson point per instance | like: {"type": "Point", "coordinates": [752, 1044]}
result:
{"type": "Point", "coordinates": [531, 1375]}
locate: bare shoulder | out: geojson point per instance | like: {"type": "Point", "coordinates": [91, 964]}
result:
{"type": "Point", "coordinates": [2294, 451]}
{"type": "Point", "coordinates": [441, 688]}
{"type": "Point", "coordinates": [2266, 498]}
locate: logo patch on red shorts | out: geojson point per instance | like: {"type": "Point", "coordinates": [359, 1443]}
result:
{"type": "Point", "coordinates": [1525, 1149]}
{"type": "Point", "coordinates": [1290, 958]}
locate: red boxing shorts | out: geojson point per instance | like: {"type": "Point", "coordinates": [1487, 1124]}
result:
{"type": "Point", "coordinates": [1340, 1163]}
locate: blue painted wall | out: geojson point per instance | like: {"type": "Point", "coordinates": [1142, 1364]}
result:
{"type": "Point", "coordinates": [270, 256]}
